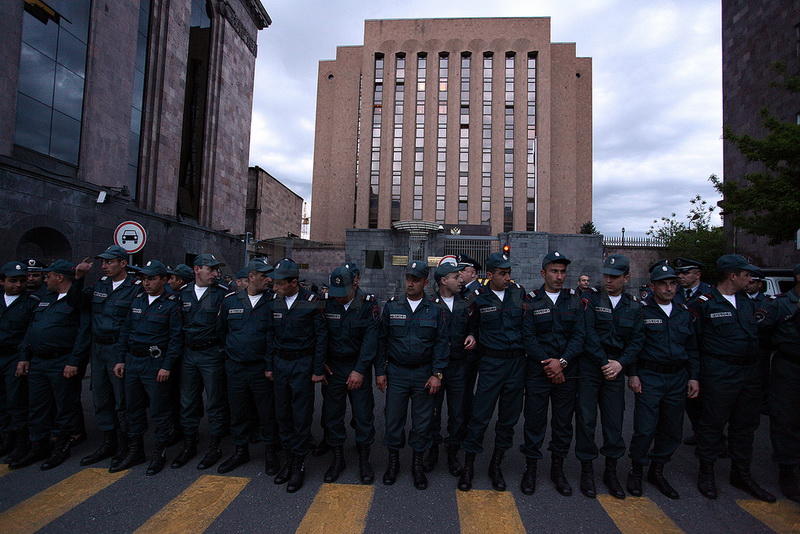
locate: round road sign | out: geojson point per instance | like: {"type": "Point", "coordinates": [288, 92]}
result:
{"type": "Point", "coordinates": [131, 236]}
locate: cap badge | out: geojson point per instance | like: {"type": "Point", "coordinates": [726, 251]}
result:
{"type": "Point", "coordinates": [663, 267]}
{"type": "Point", "coordinates": [17, 267]}
{"type": "Point", "coordinates": [148, 263]}
{"type": "Point", "coordinates": [556, 254]}
{"type": "Point", "coordinates": [414, 265]}
{"type": "Point", "coordinates": [505, 257]}
{"type": "Point", "coordinates": [611, 261]}
{"type": "Point", "coordinates": [212, 257]}
{"type": "Point", "coordinates": [337, 280]}
{"type": "Point", "coordinates": [31, 263]}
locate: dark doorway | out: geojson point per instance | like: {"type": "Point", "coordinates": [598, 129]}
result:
{"type": "Point", "coordinates": [45, 244]}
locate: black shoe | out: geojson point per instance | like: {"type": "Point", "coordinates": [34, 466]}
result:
{"type": "Point", "coordinates": [789, 480]}
{"type": "Point", "coordinates": [610, 479]}
{"type": "Point", "coordinates": [122, 448]}
{"type": "Point", "coordinates": [241, 455]}
{"type": "Point", "coordinates": [495, 471]}
{"type": "Point", "coordinates": [706, 481]}
{"type": "Point", "coordinates": [465, 479]}
{"type": "Point", "coordinates": [431, 458]}
{"type": "Point", "coordinates": [691, 440]}
{"type": "Point", "coordinates": [7, 440]}
{"type": "Point", "coordinates": [418, 470]}
{"type": "Point", "coordinates": [158, 461]}
{"type": "Point", "coordinates": [365, 471]}
{"type": "Point", "coordinates": [587, 480]}
{"type": "Point", "coordinates": [743, 480]}
{"type": "Point", "coordinates": [189, 451]}
{"type": "Point", "coordinates": [106, 450]}
{"type": "Point", "coordinates": [655, 476]}
{"type": "Point", "coordinates": [39, 451]}
{"type": "Point", "coordinates": [133, 456]}
{"type": "Point", "coordinates": [21, 447]}
{"type": "Point", "coordinates": [558, 478]}
{"type": "Point", "coordinates": [321, 448]}
{"type": "Point", "coordinates": [635, 480]}
{"type": "Point", "coordinates": [298, 474]}
{"type": "Point", "coordinates": [337, 465]}
{"type": "Point", "coordinates": [453, 465]}
{"type": "Point", "coordinates": [392, 468]}
{"type": "Point", "coordinates": [528, 483]}
{"type": "Point", "coordinates": [59, 454]}
{"type": "Point", "coordinates": [212, 455]}
{"type": "Point", "coordinates": [285, 472]}
{"type": "Point", "coordinates": [272, 462]}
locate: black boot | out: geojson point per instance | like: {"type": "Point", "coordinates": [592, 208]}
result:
{"type": "Point", "coordinates": [465, 479]}
{"type": "Point", "coordinates": [189, 451]}
{"type": "Point", "coordinates": [175, 436]}
{"type": "Point", "coordinates": [337, 465]}
{"type": "Point", "coordinates": [321, 448]}
{"type": "Point", "coordinates": [453, 465]}
{"type": "Point", "coordinates": [21, 447]}
{"type": "Point", "coordinates": [272, 463]}
{"type": "Point", "coordinates": [134, 455]}
{"type": "Point", "coordinates": [365, 471]}
{"type": "Point", "coordinates": [418, 470]}
{"type": "Point", "coordinates": [298, 474]}
{"type": "Point", "coordinates": [107, 449]}
{"type": "Point", "coordinates": [495, 471]}
{"type": "Point", "coordinates": [558, 478]}
{"type": "Point", "coordinates": [392, 468]}
{"type": "Point", "coordinates": [59, 454]}
{"type": "Point", "coordinates": [528, 482]}
{"type": "Point", "coordinates": [706, 482]}
{"type": "Point", "coordinates": [241, 455]}
{"type": "Point", "coordinates": [158, 461]}
{"type": "Point", "coordinates": [7, 440]}
{"type": "Point", "coordinates": [655, 476]}
{"type": "Point", "coordinates": [122, 448]}
{"type": "Point", "coordinates": [743, 480]}
{"type": "Point", "coordinates": [587, 480]}
{"type": "Point", "coordinates": [610, 479]}
{"type": "Point", "coordinates": [212, 455]}
{"type": "Point", "coordinates": [39, 451]}
{"type": "Point", "coordinates": [431, 458]}
{"type": "Point", "coordinates": [285, 472]}
{"type": "Point", "coordinates": [789, 481]}
{"type": "Point", "coordinates": [635, 480]}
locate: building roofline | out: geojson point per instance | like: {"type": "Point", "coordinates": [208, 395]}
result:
{"type": "Point", "coordinates": [459, 18]}
{"type": "Point", "coordinates": [258, 13]}
{"type": "Point", "coordinates": [256, 167]}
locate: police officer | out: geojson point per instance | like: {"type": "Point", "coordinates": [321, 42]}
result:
{"type": "Point", "coordinates": [110, 301]}
{"type": "Point", "coordinates": [459, 367]}
{"type": "Point", "coordinates": [496, 321]}
{"type": "Point", "coordinates": [729, 377]}
{"type": "Point", "coordinates": [203, 364]}
{"type": "Point", "coordinates": [151, 342]}
{"type": "Point", "coordinates": [469, 274]}
{"type": "Point", "coordinates": [352, 326]}
{"type": "Point", "coordinates": [556, 318]}
{"type": "Point", "coordinates": [663, 375]}
{"type": "Point", "coordinates": [56, 345]}
{"type": "Point", "coordinates": [781, 319]}
{"type": "Point", "coordinates": [755, 292]}
{"type": "Point", "coordinates": [241, 279]}
{"type": "Point", "coordinates": [412, 356]}
{"type": "Point", "coordinates": [585, 286]}
{"type": "Point", "coordinates": [179, 277]}
{"type": "Point", "coordinates": [614, 336]}
{"type": "Point", "coordinates": [244, 322]}
{"type": "Point", "coordinates": [295, 362]}
{"type": "Point", "coordinates": [16, 311]}
{"type": "Point", "coordinates": [34, 282]}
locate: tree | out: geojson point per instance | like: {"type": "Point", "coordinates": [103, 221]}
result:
{"type": "Point", "coordinates": [767, 203]}
{"type": "Point", "coordinates": [588, 228]}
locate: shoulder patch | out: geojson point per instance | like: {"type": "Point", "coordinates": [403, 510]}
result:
{"type": "Point", "coordinates": [532, 293]}
{"type": "Point", "coordinates": [172, 297]}
{"type": "Point", "coordinates": [229, 294]}
{"type": "Point", "coordinates": [703, 298]}
{"type": "Point", "coordinates": [137, 282]}
{"type": "Point", "coordinates": [103, 278]}
{"type": "Point", "coordinates": [312, 297]}
{"type": "Point", "coordinates": [571, 291]}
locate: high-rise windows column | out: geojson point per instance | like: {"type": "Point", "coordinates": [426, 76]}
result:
{"type": "Point", "coordinates": [463, 141]}
{"type": "Point", "coordinates": [441, 138]}
{"type": "Point", "coordinates": [530, 188]}
{"type": "Point", "coordinates": [140, 67]}
{"type": "Point", "coordinates": [486, 144]}
{"type": "Point", "coordinates": [375, 153]}
{"type": "Point", "coordinates": [419, 135]}
{"type": "Point", "coordinates": [397, 146]}
{"type": "Point", "coordinates": [508, 147]}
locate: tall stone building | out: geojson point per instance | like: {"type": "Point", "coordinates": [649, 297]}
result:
{"type": "Point", "coordinates": [483, 124]}
{"type": "Point", "coordinates": [273, 210]}
{"type": "Point", "coordinates": [136, 110]}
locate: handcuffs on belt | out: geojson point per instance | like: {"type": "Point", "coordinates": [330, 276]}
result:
{"type": "Point", "coordinates": [155, 351]}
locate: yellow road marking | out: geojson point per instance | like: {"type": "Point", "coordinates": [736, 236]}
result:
{"type": "Point", "coordinates": [4, 469]}
{"type": "Point", "coordinates": [481, 511]}
{"type": "Point", "coordinates": [638, 515]}
{"type": "Point", "coordinates": [196, 507]}
{"type": "Point", "coordinates": [783, 516]}
{"type": "Point", "coordinates": [32, 514]}
{"type": "Point", "coordinates": [338, 509]}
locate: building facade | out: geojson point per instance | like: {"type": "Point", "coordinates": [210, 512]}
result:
{"type": "Point", "coordinates": [273, 210]}
{"type": "Point", "coordinates": [755, 35]}
{"type": "Point", "coordinates": [136, 110]}
{"type": "Point", "coordinates": [465, 122]}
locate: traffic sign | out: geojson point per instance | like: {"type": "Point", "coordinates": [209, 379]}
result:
{"type": "Point", "coordinates": [131, 236]}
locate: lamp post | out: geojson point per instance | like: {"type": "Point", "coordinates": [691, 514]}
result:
{"type": "Point", "coordinates": [623, 236]}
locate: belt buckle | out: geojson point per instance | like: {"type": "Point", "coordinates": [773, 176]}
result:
{"type": "Point", "coordinates": [155, 351]}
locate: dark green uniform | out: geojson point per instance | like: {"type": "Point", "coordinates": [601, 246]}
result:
{"type": "Point", "coordinates": [14, 320]}
{"type": "Point", "coordinates": [687, 297]}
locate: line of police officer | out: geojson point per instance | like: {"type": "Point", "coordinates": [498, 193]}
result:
{"type": "Point", "coordinates": [257, 352]}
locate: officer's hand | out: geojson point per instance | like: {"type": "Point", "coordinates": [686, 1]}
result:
{"type": "Point", "coordinates": [433, 384]}
{"type": "Point", "coordinates": [70, 371]}
{"type": "Point", "coordinates": [23, 368]}
{"type": "Point", "coordinates": [355, 380]}
{"type": "Point", "coordinates": [268, 374]}
{"type": "Point", "coordinates": [328, 370]}
{"type": "Point", "coordinates": [551, 367]}
{"type": "Point", "coordinates": [469, 343]}
{"type": "Point", "coordinates": [319, 378]}
{"type": "Point", "coordinates": [693, 389]}
{"type": "Point", "coordinates": [634, 384]}
{"type": "Point", "coordinates": [381, 382]}
{"type": "Point", "coordinates": [163, 375]}
{"type": "Point", "coordinates": [611, 369]}
{"type": "Point", "coordinates": [119, 370]}
{"type": "Point", "coordinates": [558, 378]}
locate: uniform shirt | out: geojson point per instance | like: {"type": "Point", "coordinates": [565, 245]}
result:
{"type": "Point", "coordinates": [724, 330]}
{"type": "Point", "coordinates": [559, 328]}
{"type": "Point", "coordinates": [110, 306]}
{"type": "Point", "coordinates": [353, 331]}
{"type": "Point", "coordinates": [780, 319]}
{"type": "Point", "coordinates": [457, 324]}
{"type": "Point", "coordinates": [14, 319]}
{"type": "Point", "coordinates": [299, 329]}
{"type": "Point", "coordinates": [701, 289]}
{"type": "Point", "coordinates": [243, 328]}
{"type": "Point", "coordinates": [470, 288]}
{"type": "Point", "coordinates": [58, 326]}
{"type": "Point", "coordinates": [497, 324]}
{"type": "Point", "coordinates": [668, 339]}
{"type": "Point", "coordinates": [613, 332]}
{"type": "Point", "coordinates": [200, 316]}
{"type": "Point", "coordinates": [156, 324]}
{"type": "Point", "coordinates": [412, 338]}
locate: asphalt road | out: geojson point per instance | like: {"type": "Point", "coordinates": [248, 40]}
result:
{"type": "Point", "coordinates": [75, 499]}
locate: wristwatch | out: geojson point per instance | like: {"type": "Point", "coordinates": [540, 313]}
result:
{"type": "Point", "coordinates": [563, 363]}
{"type": "Point", "coordinates": [439, 375]}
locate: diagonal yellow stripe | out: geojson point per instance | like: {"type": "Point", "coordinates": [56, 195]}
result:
{"type": "Point", "coordinates": [783, 516]}
{"type": "Point", "coordinates": [638, 515]}
{"type": "Point", "coordinates": [482, 511]}
{"type": "Point", "coordinates": [338, 509]}
{"type": "Point", "coordinates": [3, 469]}
{"type": "Point", "coordinates": [196, 507]}
{"type": "Point", "coordinates": [32, 514]}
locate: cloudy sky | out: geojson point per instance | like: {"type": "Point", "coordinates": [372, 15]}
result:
{"type": "Point", "coordinates": [657, 90]}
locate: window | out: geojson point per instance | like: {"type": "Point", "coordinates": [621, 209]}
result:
{"type": "Point", "coordinates": [375, 156]}
{"type": "Point", "coordinates": [463, 149]}
{"type": "Point", "coordinates": [137, 99]}
{"type": "Point", "coordinates": [397, 152]}
{"type": "Point", "coordinates": [419, 141]}
{"type": "Point", "coordinates": [508, 161]}
{"type": "Point", "coordinates": [530, 173]}
{"type": "Point", "coordinates": [374, 259]}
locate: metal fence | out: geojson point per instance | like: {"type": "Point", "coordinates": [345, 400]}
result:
{"type": "Point", "coordinates": [476, 248]}
{"type": "Point", "coordinates": [622, 241]}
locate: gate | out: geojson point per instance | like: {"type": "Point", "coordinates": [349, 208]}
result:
{"type": "Point", "coordinates": [476, 247]}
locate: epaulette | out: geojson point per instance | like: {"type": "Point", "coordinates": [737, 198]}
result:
{"type": "Point", "coordinates": [437, 300]}
{"type": "Point", "coordinates": [594, 289]}
{"type": "Point", "coordinates": [35, 297]}
{"type": "Point", "coordinates": [532, 293]}
{"type": "Point", "coordinates": [571, 291]}
{"type": "Point", "coordinates": [137, 282]}
{"type": "Point", "coordinates": [229, 294]}
{"type": "Point", "coordinates": [312, 297]}
{"type": "Point", "coordinates": [643, 302]}
{"type": "Point", "coordinates": [104, 278]}
{"type": "Point", "coordinates": [635, 298]}
{"type": "Point", "coordinates": [140, 294]}
{"type": "Point", "coordinates": [685, 307]}
{"type": "Point", "coordinates": [518, 286]}
{"type": "Point", "coordinates": [703, 298]}
{"type": "Point", "coordinates": [274, 296]}
{"type": "Point", "coordinates": [477, 291]}
{"type": "Point", "coordinates": [172, 297]}
{"type": "Point", "coordinates": [393, 299]}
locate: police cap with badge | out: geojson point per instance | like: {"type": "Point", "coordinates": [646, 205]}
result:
{"type": "Point", "coordinates": [61, 267]}
{"type": "Point", "coordinates": [417, 269]}
{"type": "Point", "coordinates": [114, 252]}
{"type": "Point", "coordinates": [497, 260]}
{"type": "Point", "coordinates": [467, 261]}
{"type": "Point", "coordinates": [153, 268]}
{"type": "Point", "coordinates": [13, 269]}
{"type": "Point", "coordinates": [341, 280]}
{"type": "Point", "coordinates": [662, 271]}
{"type": "Point", "coordinates": [208, 260]}
{"type": "Point", "coordinates": [182, 271]}
{"type": "Point", "coordinates": [686, 264]}
{"type": "Point", "coordinates": [616, 265]}
{"type": "Point", "coordinates": [447, 266]}
{"type": "Point", "coordinates": [34, 265]}
{"type": "Point", "coordinates": [735, 262]}
{"type": "Point", "coordinates": [286, 268]}
{"type": "Point", "coordinates": [555, 257]}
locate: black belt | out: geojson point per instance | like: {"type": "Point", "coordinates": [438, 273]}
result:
{"type": "Point", "coordinates": [656, 367]}
{"type": "Point", "coordinates": [788, 356]}
{"type": "Point", "coordinates": [201, 345]}
{"type": "Point", "coordinates": [291, 355]}
{"type": "Point", "coordinates": [50, 354]}
{"type": "Point", "coordinates": [345, 358]}
{"type": "Point", "coordinates": [105, 340]}
{"type": "Point", "coordinates": [147, 351]}
{"type": "Point", "coordinates": [247, 363]}
{"type": "Point", "coordinates": [506, 354]}
{"type": "Point", "coordinates": [409, 365]}
{"type": "Point", "coordinates": [734, 360]}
